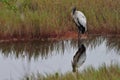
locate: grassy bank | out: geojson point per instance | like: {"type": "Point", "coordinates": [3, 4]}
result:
{"type": "Point", "coordinates": [45, 18]}
{"type": "Point", "coordinates": [103, 73]}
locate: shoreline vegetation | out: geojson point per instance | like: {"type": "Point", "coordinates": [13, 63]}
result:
{"type": "Point", "coordinates": [38, 19]}
{"type": "Point", "coordinates": [103, 73]}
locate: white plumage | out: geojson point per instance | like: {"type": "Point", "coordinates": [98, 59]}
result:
{"type": "Point", "coordinates": [80, 20]}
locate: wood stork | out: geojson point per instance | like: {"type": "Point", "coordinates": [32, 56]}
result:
{"type": "Point", "coordinates": [80, 20]}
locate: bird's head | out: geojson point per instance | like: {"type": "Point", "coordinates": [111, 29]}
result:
{"type": "Point", "coordinates": [74, 67]}
{"type": "Point", "coordinates": [73, 10]}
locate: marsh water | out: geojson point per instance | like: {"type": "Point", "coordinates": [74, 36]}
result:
{"type": "Point", "coordinates": [19, 59]}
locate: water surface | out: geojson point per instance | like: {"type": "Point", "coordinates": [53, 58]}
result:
{"type": "Point", "coordinates": [20, 59]}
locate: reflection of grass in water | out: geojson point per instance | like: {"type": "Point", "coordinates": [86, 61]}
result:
{"type": "Point", "coordinates": [95, 41]}
{"type": "Point", "coordinates": [45, 48]}
{"type": "Point", "coordinates": [103, 73]}
{"type": "Point", "coordinates": [113, 43]}
{"type": "Point", "coordinates": [34, 18]}
{"type": "Point", "coordinates": [91, 42]}
{"type": "Point", "coordinates": [33, 49]}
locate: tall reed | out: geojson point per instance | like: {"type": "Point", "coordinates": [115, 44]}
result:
{"type": "Point", "coordinates": [36, 18]}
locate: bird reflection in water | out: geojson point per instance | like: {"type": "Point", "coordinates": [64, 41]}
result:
{"type": "Point", "coordinates": [79, 57]}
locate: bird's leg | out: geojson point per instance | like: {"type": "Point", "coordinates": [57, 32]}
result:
{"type": "Point", "coordinates": [79, 34]}
{"type": "Point", "coordinates": [79, 37]}
{"type": "Point", "coordinates": [84, 35]}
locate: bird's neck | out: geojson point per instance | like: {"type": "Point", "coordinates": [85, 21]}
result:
{"type": "Point", "coordinates": [73, 12]}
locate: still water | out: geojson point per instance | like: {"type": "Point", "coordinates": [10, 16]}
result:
{"type": "Point", "coordinates": [20, 59]}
